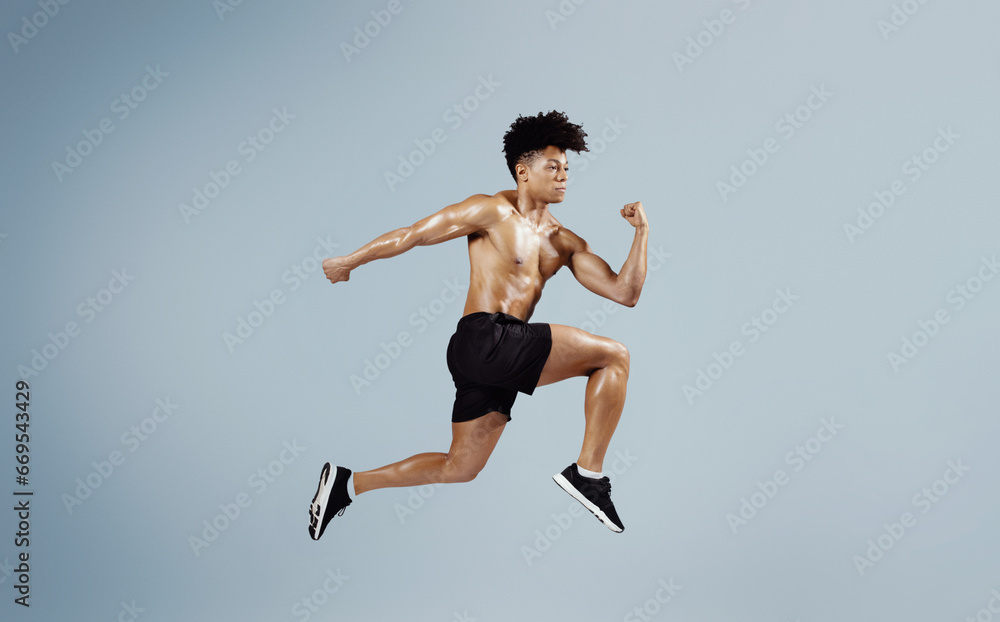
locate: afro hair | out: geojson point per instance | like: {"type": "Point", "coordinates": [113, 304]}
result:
{"type": "Point", "coordinates": [528, 136]}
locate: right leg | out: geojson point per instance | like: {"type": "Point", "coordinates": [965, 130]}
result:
{"type": "Point", "coordinates": [605, 362]}
{"type": "Point", "coordinates": [471, 445]}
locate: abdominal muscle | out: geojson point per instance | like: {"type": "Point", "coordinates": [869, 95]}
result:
{"type": "Point", "coordinates": [501, 284]}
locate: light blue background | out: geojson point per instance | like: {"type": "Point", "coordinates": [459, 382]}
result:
{"type": "Point", "coordinates": [463, 552]}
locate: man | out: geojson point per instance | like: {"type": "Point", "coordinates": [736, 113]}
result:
{"type": "Point", "coordinates": [515, 246]}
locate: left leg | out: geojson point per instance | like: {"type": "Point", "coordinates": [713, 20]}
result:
{"type": "Point", "coordinates": [471, 445]}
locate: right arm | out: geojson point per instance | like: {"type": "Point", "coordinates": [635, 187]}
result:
{"type": "Point", "coordinates": [458, 220]}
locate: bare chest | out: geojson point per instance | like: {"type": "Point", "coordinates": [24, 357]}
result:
{"type": "Point", "coordinates": [525, 249]}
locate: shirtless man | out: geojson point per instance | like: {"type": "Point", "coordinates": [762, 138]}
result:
{"type": "Point", "coordinates": [515, 246]}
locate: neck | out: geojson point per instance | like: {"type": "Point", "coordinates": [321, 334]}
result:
{"type": "Point", "coordinates": [531, 208]}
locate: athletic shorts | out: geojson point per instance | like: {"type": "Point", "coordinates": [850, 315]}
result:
{"type": "Point", "coordinates": [491, 357]}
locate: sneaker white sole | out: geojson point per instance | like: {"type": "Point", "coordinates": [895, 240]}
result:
{"type": "Point", "coordinates": [576, 494]}
{"type": "Point", "coordinates": [322, 498]}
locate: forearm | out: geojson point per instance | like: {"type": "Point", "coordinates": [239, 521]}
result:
{"type": "Point", "coordinates": [384, 246]}
{"type": "Point", "coordinates": [633, 272]}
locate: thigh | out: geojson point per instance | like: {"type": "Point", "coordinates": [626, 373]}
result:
{"type": "Point", "coordinates": [575, 352]}
{"type": "Point", "coordinates": [473, 441]}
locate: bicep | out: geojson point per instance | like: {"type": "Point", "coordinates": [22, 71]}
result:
{"type": "Point", "coordinates": [454, 221]}
{"type": "Point", "coordinates": [593, 273]}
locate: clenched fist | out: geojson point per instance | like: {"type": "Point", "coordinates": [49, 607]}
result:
{"type": "Point", "coordinates": [635, 215]}
{"type": "Point", "coordinates": [337, 269]}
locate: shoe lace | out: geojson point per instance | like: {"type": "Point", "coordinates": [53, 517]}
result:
{"type": "Point", "coordinates": [601, 486]}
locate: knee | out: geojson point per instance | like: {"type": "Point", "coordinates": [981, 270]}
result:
{"type": "Point", "coordinates": [613, 356]}
{"type": "Point", "coordinates": [457, 473]}
{"type": "Point", "coordinates": [620, 355]}
{"type": "Point", "coordinates": [462, 477]}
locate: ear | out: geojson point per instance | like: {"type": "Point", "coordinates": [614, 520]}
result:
{"type": "Point", "coordinates": [521, 172]}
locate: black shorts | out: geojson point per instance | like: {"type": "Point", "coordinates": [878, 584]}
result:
{"type": "Point", "coordinates": [491, 357]}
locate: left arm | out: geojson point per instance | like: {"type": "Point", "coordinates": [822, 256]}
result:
{"type": "Point", "coordinates": [596, 275]}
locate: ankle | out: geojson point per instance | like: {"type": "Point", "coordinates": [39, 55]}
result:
{"type": "Point", "coordinates": [588, 473]}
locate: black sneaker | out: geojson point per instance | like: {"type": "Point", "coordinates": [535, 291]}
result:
{"type": "Point", "coordinates": [331, 500]}
{"type": "Point", "coordinates": [594, 494]}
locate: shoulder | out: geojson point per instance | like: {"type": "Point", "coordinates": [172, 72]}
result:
{"type": "Point", "coordinates": [503, 201]}
{"type": "Point", "coordinates": [481, 209]}
{"type": "Point", "coordinates": [569, 242]}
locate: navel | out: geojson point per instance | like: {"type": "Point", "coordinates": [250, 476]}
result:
{"type": "Point", "coordinates": [518, 261]}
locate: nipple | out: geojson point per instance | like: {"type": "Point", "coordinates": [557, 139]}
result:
{"type": "Point", "coordinates": [518, 261]}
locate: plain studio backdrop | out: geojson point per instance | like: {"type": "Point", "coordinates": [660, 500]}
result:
{"type": "Point", "coordinates": [811, 426]}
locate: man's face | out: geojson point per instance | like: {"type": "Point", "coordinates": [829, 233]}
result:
{"type": "Point", "coordinates": [545, 178]}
